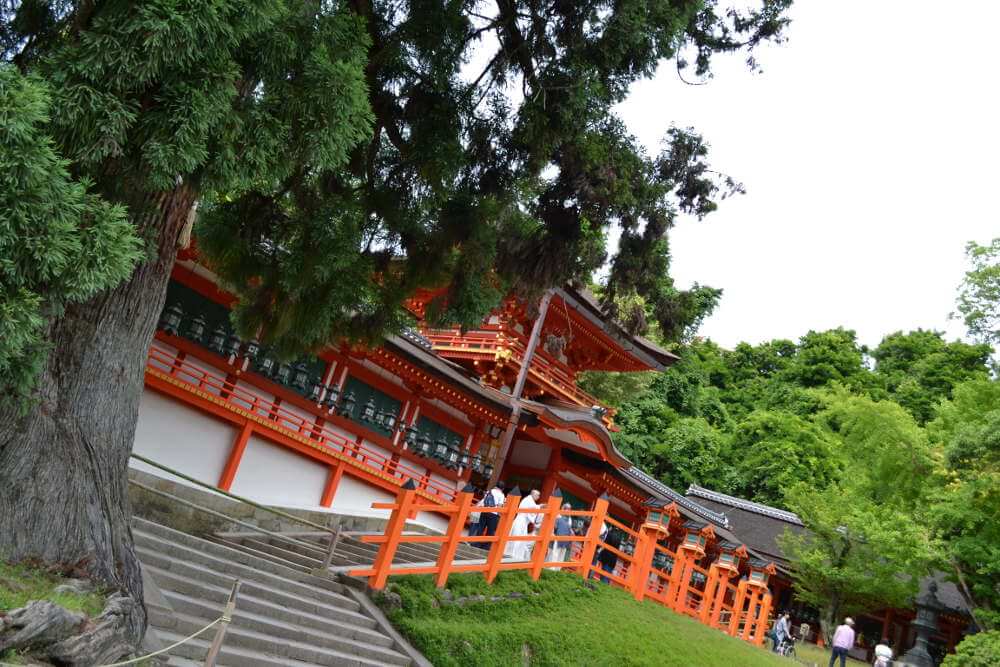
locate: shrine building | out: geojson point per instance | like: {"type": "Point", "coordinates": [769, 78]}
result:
{"type": "Point", "coordinates": [347, 427]}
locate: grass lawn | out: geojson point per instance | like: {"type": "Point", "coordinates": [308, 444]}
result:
{"type": "Point", "coordinates": [810, 654]}
{"type": "Point", "coordinates": [558, 620]}
{"type": "Point", "coordinates": [20, 584]}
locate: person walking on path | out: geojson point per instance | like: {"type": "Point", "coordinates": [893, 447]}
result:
{"type": "Point", "coordinates": [564, 526]}
{"type": "Point", "coordinates": [782, 629]}
{"type": "Point", "coordinates": [843, 640]}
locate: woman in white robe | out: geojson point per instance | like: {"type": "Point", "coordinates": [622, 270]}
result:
{"type": "Point", "coordinates": [522, 550]}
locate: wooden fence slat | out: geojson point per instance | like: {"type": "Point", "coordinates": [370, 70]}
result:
{"type": "Point", "coordinates": [454, 536]}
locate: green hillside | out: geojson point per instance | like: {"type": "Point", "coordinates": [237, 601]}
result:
{"type": "Point", "coordinates": [558, 620]}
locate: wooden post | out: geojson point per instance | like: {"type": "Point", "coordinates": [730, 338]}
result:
{"type": "Point", "coordinates": [393, 532]}
{"type": "Point", "coordinates": [642, 563]}
{"type": "Point", "coordinates": [765, 610]}
{"type": "Point", "coordinates": [334, 541]}
{"type": "Point", "coordinates": [679, 578]}
{"type": "Point", "coordinates": [886, 624]}
{"type": "Point", "coordinates": [708, 599]}
{"type": "Point", "coordinates": [454, 535]}
{"type": "Point", "coordinates": [235, 456]}
{"type": "Point", "coordinates": [738, 603]}
{"type": "Point", "coordinates": [545, 533]}
{"type": "Point", "coordinates": [507, 516]}
{"type": "Point", "coordinates": [332, 482]}
{"type": "Point", "coordinates": [720, 599]}
{"type": "Point", "coordinates": [220, 633]}
{"type": "Point", "coordinates": [593, 536]}
{"type": "Point", "coordinates": [522, 376]}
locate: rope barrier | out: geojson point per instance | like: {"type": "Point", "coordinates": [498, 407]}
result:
{"type": "Point", "coordinates": [168, 648]}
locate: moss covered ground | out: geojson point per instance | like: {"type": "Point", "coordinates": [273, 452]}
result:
{"type": "Point", "coordinates": [19, 584]}
{"type": "Point", "coordinates": [558, 620]}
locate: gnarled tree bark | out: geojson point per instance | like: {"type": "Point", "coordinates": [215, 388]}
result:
{"type": "Point", "coordinates": [64, 463]}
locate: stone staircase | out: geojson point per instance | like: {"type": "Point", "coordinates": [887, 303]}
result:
{"type": "Point", "coordinates": [305, 551]}
{"type": "Point", "coordinates": [285, 615]}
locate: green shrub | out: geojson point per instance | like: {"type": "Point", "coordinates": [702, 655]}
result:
{"type": "Point", "coordinates": [980, 650]}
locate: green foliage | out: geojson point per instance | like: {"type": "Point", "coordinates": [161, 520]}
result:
{"type": "Point", "coordinates": [979, 650]}
{"type": "Point", "coordinates": [342, 155]}
{"type": "Point", "coordinates": [558, 620]}
{"type": "Point", "coordinates": [979, 294]}
{"type": "Point", "coordinates": [19, 584]}
{"type": "Point", "coordinates": [59, 242]}
{"type": "Point", "coordinates": [855, 552]}
{"type": "Point", "coordinates": [776, 450]}
{"type": "Point", "coordinates": [919, 368]}
{"type": "Point", "coordinates": [966, 512]}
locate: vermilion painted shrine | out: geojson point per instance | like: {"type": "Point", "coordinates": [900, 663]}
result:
{"type": "Point", "coordinates": [433, 409]}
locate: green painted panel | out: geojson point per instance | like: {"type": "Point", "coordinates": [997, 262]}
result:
{"type": "Point", "coordinates": [364, 392]}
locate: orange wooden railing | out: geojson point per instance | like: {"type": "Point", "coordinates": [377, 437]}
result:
{"type": "Point", "coordinates": [239, 397]}
{"type": "Point", "coordinates": [740, 611]}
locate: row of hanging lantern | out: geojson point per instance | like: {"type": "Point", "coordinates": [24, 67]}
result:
{"type": "Point", "coordinates": [226, 344]}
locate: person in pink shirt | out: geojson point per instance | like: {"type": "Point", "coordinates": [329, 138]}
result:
{"type": "Point", "coordinates": [843, 640]}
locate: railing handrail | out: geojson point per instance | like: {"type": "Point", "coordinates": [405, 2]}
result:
{"type": "Point", "coordinates": [635, 572]}
{"type": "Point", "coordinates": [280, 416]}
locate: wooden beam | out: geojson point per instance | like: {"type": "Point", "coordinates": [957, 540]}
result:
{"type": "Point", "coordinates": [332, 482]}
{"type": "Point", "coordinates": [235, 456]}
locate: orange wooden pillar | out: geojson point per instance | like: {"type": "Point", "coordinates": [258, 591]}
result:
{"type": "Point", "coordinates": [332, 482]}
{"type": "Point", "coordinates": [453, 537]}
{"type": "Point", "coordinates": [393, 531]}
{"type": "Point", "coordinates": [545, 533]}
{"type": "Point", "coordinates": [235, 456]}
{"type": "Point", "coordinates": [507, 516]}
{"type": "Point", "coordinates": [738, 604]}
{"type": "Point", "coordinates": [716, 581]}
{"type": "Point", "coordinates": [760, 627]}
{"type": "Point", "coordinates": [593, 536]}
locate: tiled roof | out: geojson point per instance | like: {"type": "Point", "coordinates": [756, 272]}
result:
{"type": "Point", "coordinates": [415, 337]}
{"type": "Point", "coordinates": [773, 512]}
{"type": "Point", "coordinates": [666, 493]}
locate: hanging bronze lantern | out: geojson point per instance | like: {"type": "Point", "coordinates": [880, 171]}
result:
{"type": "Point", "coordinates": [170, 320]}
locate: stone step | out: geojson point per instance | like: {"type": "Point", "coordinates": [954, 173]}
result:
{"type": "Point", "coordinates": [315, 649]}
{"type": "Point", "coordinates": [277, 621]}
{"type": "Point", "coordinates": [289, 552]}
{"type": "Point", "coordinates": [255, 597]}
{"type": "Point", "coordinates": [222, 573]}
{"type": "Point", "coordinates": [154, 535]}
{"type": "Point", "coordinates": [194, 651]}
{"type": "Point", "coordinates": [262, 555]}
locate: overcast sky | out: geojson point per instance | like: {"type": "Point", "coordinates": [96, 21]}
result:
{"type": "Point", "coordinates": [868, 147]}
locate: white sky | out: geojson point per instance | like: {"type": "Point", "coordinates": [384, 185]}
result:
{"type": "Point", "coordinates": [868, 148]}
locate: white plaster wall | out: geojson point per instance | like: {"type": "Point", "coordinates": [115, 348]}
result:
{"type": "Point", "coordinates": [163, 347]}
{"type": "Point", "coordinates": [356, 497]}
{"type": "Point", "coordinates": [182, 438]}
{"type": "Point", "coordinates": [433, 521]}
{"type": "Point", "coordinates": [196, 378]}
{"type": "Point", "coordinates": [531, 454]}
{"type": "Point", "coordinates": [273, 474]}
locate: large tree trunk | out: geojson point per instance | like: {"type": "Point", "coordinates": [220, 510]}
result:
{"type": "Point", "coordinates": [63, 464]}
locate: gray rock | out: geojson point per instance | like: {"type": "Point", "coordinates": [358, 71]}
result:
{"type": "Point", "coordinates": [37, 625]}
{"type": "Point", "coordinates": [75, 587]}
{"type": "Point", "coordinates": [391, 601]}
{"type": "Point", "coordinates": [104, 641]}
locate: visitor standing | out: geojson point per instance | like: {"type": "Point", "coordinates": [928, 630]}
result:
{"type": "Point", "coordinates": [564, 526]}
{"type": "Point", "coordinates": [488, 521]}
{"type": "Point", "coordinates": [607, 557]}
{"type": "Point", "coordinates": [843, 640]}
{"type": "Point", "coordinates": [524, 524]}
{"type": "Point", "coordinates": [883, 654]}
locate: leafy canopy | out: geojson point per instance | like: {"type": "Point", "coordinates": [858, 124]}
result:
{"type": "Point", "coordinates": [344, 154]}
{"type": "Point", "coordinates": [60, 243]}
{"type": "Point", "coordinates": [979, 293]}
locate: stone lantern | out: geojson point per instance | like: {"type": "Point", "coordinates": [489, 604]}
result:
{"type": "Point", "coordinates": [925, 624]}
